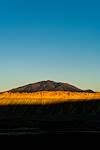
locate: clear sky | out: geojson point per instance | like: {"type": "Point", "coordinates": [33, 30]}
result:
{"type": "Point", "coordinates": [50, 39]}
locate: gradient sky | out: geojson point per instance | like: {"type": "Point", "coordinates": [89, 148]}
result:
{"type": "Point", "coordinates": [50, 39]}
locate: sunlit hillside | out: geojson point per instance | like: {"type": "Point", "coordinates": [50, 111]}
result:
{"type": "Point", "coordinates": [46, 97]}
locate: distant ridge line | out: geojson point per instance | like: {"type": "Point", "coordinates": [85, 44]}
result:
{"type": "Point", "coordinates": [48, 85]}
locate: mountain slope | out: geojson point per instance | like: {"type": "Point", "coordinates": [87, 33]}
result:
{"type": "Point", "coordinates": [46, 86]}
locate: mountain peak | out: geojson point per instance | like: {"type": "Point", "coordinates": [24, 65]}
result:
{"type": "Point", "coordinates": [47, 85]}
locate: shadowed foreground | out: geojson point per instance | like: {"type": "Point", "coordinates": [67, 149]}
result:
{"type": "Point", "coordinates": [51, 118]}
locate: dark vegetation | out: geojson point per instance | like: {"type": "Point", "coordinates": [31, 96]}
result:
{"type": "Point", "coordinates": [70, 116]}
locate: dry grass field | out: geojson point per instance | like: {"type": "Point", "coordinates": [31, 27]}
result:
{"type": "Point", "coordinates": [46, 97]}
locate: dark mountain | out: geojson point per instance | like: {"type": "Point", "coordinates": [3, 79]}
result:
{"type": "Point", "coordinates": [46, 86]}
{"type": "Point", "coordinates": [89, 91]}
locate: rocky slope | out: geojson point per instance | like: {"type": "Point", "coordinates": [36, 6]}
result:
{"type": "Point", "coordinates": [46, 86]}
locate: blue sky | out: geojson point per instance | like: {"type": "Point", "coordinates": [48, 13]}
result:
{"type": "Point", "coordinates": [50, 39]}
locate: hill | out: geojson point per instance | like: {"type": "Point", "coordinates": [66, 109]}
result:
{"type": "Point", "coordinates": [46, 86]}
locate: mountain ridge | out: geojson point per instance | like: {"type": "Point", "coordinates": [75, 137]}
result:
{"type": "Point", "coordinates": [47, 85]}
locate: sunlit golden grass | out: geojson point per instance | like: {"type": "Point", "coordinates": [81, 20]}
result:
{"type": "Point", "coordinates": [45, 97]}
